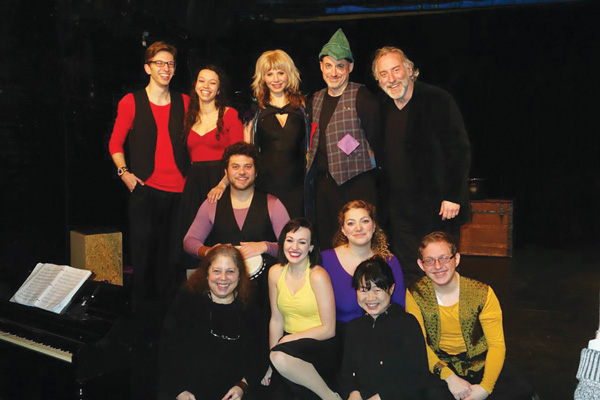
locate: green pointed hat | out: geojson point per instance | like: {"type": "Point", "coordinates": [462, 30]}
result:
{"type": "Point", "coordinates": [337, 48]}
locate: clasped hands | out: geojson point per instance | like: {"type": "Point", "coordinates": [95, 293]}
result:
{"type": "Point", "coordinates": [463, 390]}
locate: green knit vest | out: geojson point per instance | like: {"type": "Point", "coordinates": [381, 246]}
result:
{"type": "Point", "coordinates": [472, 297]}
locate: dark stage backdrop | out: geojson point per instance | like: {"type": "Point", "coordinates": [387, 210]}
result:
{"type": "Point", "coordinates": [524, 77]}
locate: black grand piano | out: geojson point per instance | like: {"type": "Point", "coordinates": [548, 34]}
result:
{"type": "Point", "coordinates": [44, 355]}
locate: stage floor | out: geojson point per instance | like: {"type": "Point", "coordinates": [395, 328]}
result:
{"type": "Point", "coordinates": [550, 305]}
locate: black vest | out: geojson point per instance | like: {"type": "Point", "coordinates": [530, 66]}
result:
{"type": "Point", "coordinates": [257, 226]}
{"type": "Point", "coordinates": [142, 138]}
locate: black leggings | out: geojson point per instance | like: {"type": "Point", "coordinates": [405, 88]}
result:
{"type": "Point", "coordinates": [511, 385]}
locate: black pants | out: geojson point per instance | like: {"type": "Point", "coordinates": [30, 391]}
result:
{"type": "Point", "coordinates": [330, 198]}
{"type": "Point", "coordinates": [405, 235]}
{"type": "Point", "coordinates": [511, 385]}
{"type": "Point", "coordinates": [156, 244]}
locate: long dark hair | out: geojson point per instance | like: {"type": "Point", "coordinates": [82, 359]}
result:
{"type": "Point", "coordinates": [221, 102]}
{"type": "Point", "coordinates": [198, 281]}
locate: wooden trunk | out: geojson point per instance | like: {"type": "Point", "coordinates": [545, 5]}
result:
{"type": "Point", "coordinates": [99, 252]}
{"type": "Point", "coordinates": [490, 230]}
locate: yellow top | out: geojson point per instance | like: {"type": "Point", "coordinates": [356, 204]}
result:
{"type": "Point", "coordinates": [300, 311]}
{"type": "Point", "coordinates": [452, 342]}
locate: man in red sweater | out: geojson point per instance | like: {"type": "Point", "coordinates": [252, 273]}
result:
{"type": "Point", "coordinates": [155, 176]}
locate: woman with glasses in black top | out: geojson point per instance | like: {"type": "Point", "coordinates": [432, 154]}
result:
{"type": "Point", "coordinates": [211, 347]}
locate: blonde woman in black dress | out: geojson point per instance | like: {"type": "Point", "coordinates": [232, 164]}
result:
{"type": "Point", "coordinates": [280, 129]}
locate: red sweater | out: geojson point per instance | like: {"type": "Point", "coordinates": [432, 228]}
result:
{"type": "Point", "coordinates": [207, 147]}
{"type": "Point", "coordinates": [166, 176]}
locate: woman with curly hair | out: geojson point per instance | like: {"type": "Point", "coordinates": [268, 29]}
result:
{"type": "Point", "coordinates": [358, 239]}
{"type": "Point", "coordinates": [280, 129]}
{"type": "Point", "coordinates": [210, 127]}
{"type": "Point", "coordinates": [211, 346]}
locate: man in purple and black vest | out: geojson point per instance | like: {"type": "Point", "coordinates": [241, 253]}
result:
{"type": "Point", "coordinates": [341, 162]}
{"type": "Point", "coordinates": [242, 217]}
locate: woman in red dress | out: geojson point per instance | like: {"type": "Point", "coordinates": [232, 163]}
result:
{"type": "Point", "coordinates": [210, 126]}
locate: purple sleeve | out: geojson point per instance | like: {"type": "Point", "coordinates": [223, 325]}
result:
{"type": "Point", "coordinates": [400, 291]}
{"type": "Point", "coordinates": [200, 228]}
{"type": "Point", "coordinates": [279, 217]}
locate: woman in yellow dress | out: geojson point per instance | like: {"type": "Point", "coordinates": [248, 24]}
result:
{"type": "Point", "coordinates": [304, 350]}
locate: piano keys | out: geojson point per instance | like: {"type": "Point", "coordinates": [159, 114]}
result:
{"type": "Point", "coordinates": [36, 346]}
{"type": "Point", "coordinates": [91, 338]}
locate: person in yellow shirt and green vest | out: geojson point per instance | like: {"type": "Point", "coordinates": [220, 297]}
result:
{"type": "Point", "coordinates": [461, 320]}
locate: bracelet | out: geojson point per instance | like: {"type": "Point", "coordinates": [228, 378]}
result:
{"type": "Point", "coordinates": [122, 170]}
{"type": "Point", "coordinates": [242, 385]}
{"type": "Point", "coordinates": [437, 368]}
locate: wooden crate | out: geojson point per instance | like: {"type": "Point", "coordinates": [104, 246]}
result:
{"type": "Point", "coordinates": [490, 230]}
{"type": "Point", "coordinates": [99, 252]}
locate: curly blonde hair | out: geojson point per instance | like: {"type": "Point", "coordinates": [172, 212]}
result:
{"type": "Point", "coordinates": [379, 242]}
{"type": "Point", "coordinates": [277, 59]}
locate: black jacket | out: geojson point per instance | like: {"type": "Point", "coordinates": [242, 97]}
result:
{"type": "Point", "coordinates": [385, 356]}
{"type": "Point", "coordinates": [436, 146]}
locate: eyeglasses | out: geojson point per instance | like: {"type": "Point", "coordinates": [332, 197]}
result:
{"type": "Point", "coordinates": [443, 260]}
{"type": "Point", "coordinates": [224, 337]}
{"type": "Point", "coordinates": [160, 63]}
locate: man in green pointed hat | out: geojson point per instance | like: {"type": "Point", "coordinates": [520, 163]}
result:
{"type": "Point", "coordinates": [345, 128]}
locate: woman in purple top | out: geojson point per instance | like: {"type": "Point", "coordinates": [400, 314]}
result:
{"type": "Point", "coordinates": [358, 239]}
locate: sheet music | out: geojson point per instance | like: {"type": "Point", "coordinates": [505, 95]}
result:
{"type": "Point", "coordinates": [50, 286]}
{"type": "Point", "coordinates": [32, 289]}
